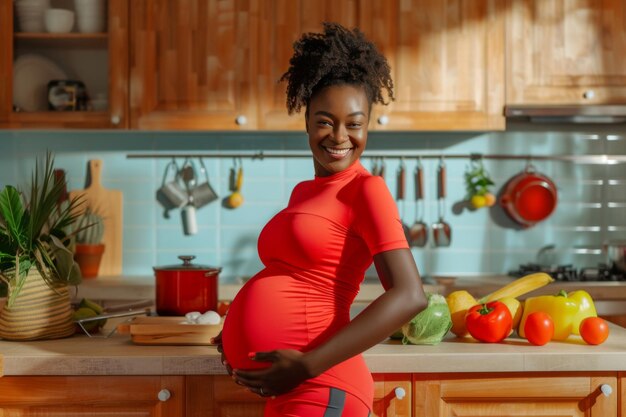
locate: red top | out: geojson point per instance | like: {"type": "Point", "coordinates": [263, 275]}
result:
{"type": "Point", "coordinates": [315, 252]}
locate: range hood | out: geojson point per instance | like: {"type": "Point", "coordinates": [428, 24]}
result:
{"type": "Point", "coordinates": [567, 113]}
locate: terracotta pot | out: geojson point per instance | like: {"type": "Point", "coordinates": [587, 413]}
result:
{"type": "Point", "coordinates": [529, 197]}
{"type": "Point", "coordinates": [88, 258]}
{"type": "Point", "coordinates": [186, 287]}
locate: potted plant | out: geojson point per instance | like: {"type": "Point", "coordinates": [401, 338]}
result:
{"type": "Point", "coordinates": [36, 264]}
{"type": "Point", "coordinates": [89, 246]}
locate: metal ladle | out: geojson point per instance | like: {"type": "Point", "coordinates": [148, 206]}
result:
{"type": "Point", "coordinates": [442, 232]}
{"type": "Point", "coordinates": [400, 196]}
{"type": "Point", "coordinates": [418, 232]}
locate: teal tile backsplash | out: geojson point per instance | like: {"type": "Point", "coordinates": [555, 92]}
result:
{"type": "Point", "coordinates": [591, 208]}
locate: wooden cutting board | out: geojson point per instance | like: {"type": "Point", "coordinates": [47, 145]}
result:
{"type": "Point", "coordinates": [153, 330]}
{"type": "Point", "coordinates": [109, 204]}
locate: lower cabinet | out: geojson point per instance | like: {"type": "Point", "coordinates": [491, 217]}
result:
{"type": "Point", "coordinates": [392, 395]}
{"type": "Point", "coordinates": [219, 396]}
{"type": "Point", "coordinates": [396, 395]}
{"type": "Point", "coordinates": [524, 395]}
{"type": "Point", "coordinates": [92, 396]}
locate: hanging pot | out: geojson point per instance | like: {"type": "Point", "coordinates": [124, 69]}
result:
{"type": "Point", "coordinates": [186, 287]}
{"type": "Point", "coordinates": [529, 197]}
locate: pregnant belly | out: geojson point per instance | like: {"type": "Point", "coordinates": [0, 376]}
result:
{"type": "Point", "coordinates": [278, 312]}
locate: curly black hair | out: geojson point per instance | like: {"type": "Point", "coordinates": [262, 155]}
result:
{"type": "Point", "coordinates": [337, 56]}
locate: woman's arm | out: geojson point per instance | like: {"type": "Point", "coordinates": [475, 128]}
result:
{"type": "Point", "coordinates": [403, 299]}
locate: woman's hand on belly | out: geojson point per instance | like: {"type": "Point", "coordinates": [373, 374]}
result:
{"type": "Point", "coordinates": [217, 341]}
{"type": "Point", "coordinates": [287, 371]}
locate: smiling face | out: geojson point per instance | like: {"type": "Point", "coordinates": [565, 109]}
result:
{"type": "Point", "coordinates": [336, 122]}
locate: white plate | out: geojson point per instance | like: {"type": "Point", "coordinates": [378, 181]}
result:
{"type": "Point", "coordinates": [31, 74]}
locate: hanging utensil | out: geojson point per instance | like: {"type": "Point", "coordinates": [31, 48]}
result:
{"type": "Point", "coordinates": [203, 193]}
{"type": "Point", "coordinates": [236, 198]}
{"type": "Point", "coordinates": [418, 232]}
{"type": "Point", "coordinates": [442, 233]}
{"type": "Point", "coordinates": [188, 212]}
{"type": "Point", "coordinates": [400, 182]}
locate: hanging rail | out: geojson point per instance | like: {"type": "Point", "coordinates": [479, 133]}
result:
{"type": "Point", "coordinates": [260, 155]}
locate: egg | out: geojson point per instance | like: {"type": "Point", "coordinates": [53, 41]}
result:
{"type": "Point", "coordinates": [210, 317]}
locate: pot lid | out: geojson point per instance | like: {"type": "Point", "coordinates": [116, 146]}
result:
{"type": "Point", "coordinates": [186, 265]}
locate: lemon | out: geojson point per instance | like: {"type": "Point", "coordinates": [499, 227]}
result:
{"type": "Point", "coordinates": [235, 199]}
{"type": "Point", "coordinates": [478, 201]}
{"type": "Point", "coordinates": [459, 302]}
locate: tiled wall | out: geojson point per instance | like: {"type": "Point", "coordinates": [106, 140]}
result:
{"type": "Point", "coordinates": [591, 208]}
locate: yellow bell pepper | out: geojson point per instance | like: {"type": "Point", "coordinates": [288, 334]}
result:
{"type": "Point", "coordinates": [566, 310]}
{"type": "Point", "coordinates": [586, 308]}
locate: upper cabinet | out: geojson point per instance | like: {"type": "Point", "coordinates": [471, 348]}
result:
{"type": "Point", "coordinates": [193, 64]}
{"type": "Point", "coordinates": [447, 62]}
{"type": "Point", "coordinates": [216, 64]}
{"type": "Point", "coordinates": [89, 56]}
{"type": "Point", "coordinates": [566, 52]}
{"type": "Point", "coordinates": [283, 21]}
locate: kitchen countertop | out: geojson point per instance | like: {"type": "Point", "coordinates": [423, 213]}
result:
{"type": "Point", "coordinates": [117, 355]}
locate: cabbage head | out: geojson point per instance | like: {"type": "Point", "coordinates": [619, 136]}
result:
{"type": "Point", "coordinates": [430, 325]}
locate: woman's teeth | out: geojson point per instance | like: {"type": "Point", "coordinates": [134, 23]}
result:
{"type": "Point", "coordinates": [338, 151]}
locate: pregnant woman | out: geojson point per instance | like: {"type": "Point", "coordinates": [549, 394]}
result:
{"type": "Point", "coordinates": [288, 334]}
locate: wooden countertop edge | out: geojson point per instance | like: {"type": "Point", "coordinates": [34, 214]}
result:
{"type": "Point", "coordinates": [81, 355]}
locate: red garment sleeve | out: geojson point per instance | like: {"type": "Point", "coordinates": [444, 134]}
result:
{"type": "Point", "coordinates": [376, 217]}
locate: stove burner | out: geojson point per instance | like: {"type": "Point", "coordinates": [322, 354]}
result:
{"type": "Point", "coordinates": [602, 272]}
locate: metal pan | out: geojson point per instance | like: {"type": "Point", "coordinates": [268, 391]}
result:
{"type": "Point", "coordinates": [442, 232]}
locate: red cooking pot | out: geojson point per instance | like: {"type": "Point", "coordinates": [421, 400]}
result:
{"type": "Point", "coordinates": [529, 197]}
{"type": "Point", "coordinates": [186, 287]}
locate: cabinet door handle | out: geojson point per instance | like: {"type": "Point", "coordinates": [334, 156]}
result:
{"type": "Point", "coordinates": [164, 395]}
{"type": "Point", "coordinates": [115, 120]}
{"type": "Point", "coordinates": [399, 392]}
{"type": "Point", "coordinates": [606, 389]}
{"type": "Point", "coordinates": [589, 94]}
{"type": "Point", "coordinates": [383, 120]}
{"type": "Point", "coordinates": [241, 120]}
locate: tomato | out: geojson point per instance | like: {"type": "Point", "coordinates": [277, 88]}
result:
{"type": "Point", "coordinates": [594, 330]}
{"type": "Point", "coordinates": [222, 307]}
{"type": "Point", "coordinates": [489, 322]}
{"type": "Point", "coordinates": [539, 328]}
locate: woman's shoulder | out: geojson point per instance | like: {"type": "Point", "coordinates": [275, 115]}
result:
{"type": "Point", "coordinates": [368, 185]}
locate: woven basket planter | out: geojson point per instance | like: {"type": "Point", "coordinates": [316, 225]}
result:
{"type": "Point", "coordinates": [39, 312]}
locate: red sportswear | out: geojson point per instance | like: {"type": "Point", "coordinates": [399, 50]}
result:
{"type": "Point", "coordinates": [315, 252]}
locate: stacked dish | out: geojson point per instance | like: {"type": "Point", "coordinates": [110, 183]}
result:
{"type": "Point", "coordinates": [90, 15]}
{"type": "Point", "coordinates": [30, 14]}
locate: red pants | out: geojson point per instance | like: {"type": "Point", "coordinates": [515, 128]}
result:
{"type": "Point", "coordinates": [316, 401]}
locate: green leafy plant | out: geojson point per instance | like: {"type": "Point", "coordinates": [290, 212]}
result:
{"type": "Point", "coordinates": [478, 185]}
{"type": "Point", "coordinates": [34, 233]}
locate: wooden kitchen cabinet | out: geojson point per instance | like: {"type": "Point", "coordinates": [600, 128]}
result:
{"type": "Point", "coordinates": [566, 395]}
{"type": "Point", "coordinates": [282, 23]}
{"type": "Point", "coordinates": [92, 396]}
{"type": "Point", "coordinates": [447, 62]}
{"type": "Point", "coordinates": [219, 396]}
{"type": "Point", "coordinates": [565, 52]}
{"type": "Point", "coordinates": [622, 394]}
{"type": "Point", "coordinates": [392, 395]}
{"type": "Point", "coordinates": [213, 396]}
{"type": "Point", "coordinates": [193, 64]}
{"type": "Point", "coordinates": [108, 50]}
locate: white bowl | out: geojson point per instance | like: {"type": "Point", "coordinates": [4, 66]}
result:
{"type": "Point", "coordinates": [59, 20]}
{"type": "Point", "coordinates": [91, 25]}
